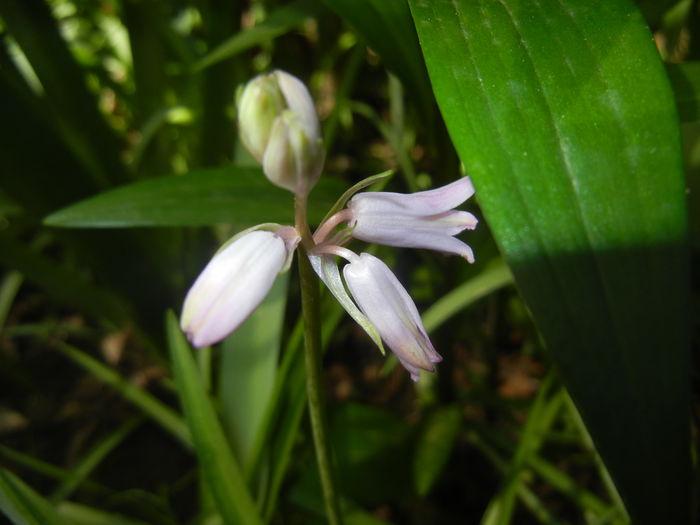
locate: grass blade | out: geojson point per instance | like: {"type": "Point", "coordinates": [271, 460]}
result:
{"type": "Point", "coordinates": [219, 467]}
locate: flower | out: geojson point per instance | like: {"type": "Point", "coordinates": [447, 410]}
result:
{"type": "Point", "coordinates": [416, 220]}
{"type": "Point", "coordinates": [235, 282]}
{"type": "Point", "coordinates": [386, 303]}
{"type": "Point", "coordinates": [278, 124]}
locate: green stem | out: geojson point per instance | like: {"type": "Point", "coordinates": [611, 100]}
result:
{"type": "Point", "coordinates": [312, 339]}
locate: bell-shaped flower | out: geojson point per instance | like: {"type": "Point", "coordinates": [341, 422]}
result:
{"type": "Point", "coordinates": [415, 220]}
{"type": "Point", "coordinates": [386, 303]}
{"type": "Point", "coordinates": [235, 282]}
{"type": "Point", "coordinates": [277, 121]}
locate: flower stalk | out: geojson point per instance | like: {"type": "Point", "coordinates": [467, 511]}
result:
{"type": "Point", "coordinates": [310, 303]}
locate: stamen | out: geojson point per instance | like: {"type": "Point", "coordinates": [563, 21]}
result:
{"type": "Point", "coordinates": [331, 249]}
{"type": "Point", "coordinates": [327, 227]}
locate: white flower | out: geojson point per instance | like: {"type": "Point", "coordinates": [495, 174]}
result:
{"type": "Point", "coordinates": [278, 124]}
{"type": "Point", "coordinates": [235, 282]}
{"type": "Point", "coordinates": [386, 303]}
{"type": "Point", "coordinates": [415, 220]}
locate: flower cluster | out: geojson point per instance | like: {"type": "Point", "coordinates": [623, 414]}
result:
{"type": "Point", "coordinates": [279, 125]}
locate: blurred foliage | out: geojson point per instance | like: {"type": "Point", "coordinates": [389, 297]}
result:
{"type": "Point", "coordinates": [126, 107]}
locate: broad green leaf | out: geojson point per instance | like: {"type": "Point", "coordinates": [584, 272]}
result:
{"type": "Point", "coordinates": [249, 360]}
{"type": "Point", "coordinates": [219, 467]}
{"type": "Point", "coordinates": [222, 195]}
{"type": "Point", "coordinates": [22, 505]}
{"type": "Point", "coordinates": [386, 26]}
{"type": "Point", "coordinates": [280, 21]}
{"type": "Point", "coordinates": [562, 114]}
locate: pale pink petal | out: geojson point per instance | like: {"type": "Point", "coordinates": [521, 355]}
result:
{"type": "Point", "coordinates": [429, 202]}
{"type": "Point", "coordinates": [386, 303]}
{"type": "Point", "coordinates": [231, 286]}
{"type": "Point", "coordinates": [418, 220]}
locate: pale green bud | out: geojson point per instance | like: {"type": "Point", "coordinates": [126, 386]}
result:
{"type": "Point", "coordinates": [293, 160]}
{"type": "Point", "coordinates": [259, 104]}
{"type": "Point", "coordinates": [279, 126]}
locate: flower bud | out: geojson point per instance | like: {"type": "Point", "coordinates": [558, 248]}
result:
{"type": "Point", "coordinates": [259, 104]}
{"type": "Point", "coordinates": [235, 282]}
{"type": "Point", "coordinates": [292, 159]}
{"type": "Point", "coordinates": [279, 126]}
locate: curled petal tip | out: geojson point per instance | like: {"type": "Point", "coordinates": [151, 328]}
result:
{"type": "Point", "coordinates": [416, 220]}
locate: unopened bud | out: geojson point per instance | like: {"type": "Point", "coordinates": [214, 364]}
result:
{"type": "Point", "coordinates": [292, 159]}
{"type": "Point", "coordinates": [259, 104]}
{"type": "Point", "coordinates": [279, 126]}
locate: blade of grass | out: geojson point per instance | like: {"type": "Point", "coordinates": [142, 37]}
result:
{"type": "Point", "coordinates": [24, 506]}
{"type": "Point", "coordinates": [279, 22]}
{"type": "Point", "coordinates": [82, 470]}
{"type": "Point", "coordinates": [8, 291]}
{"type": "Point", "coordinates": [530, 500]}
{"type": "Point", "coordinates": [494, 277]}
{"type": "Point", "coordinates": [48, 470]}
{"type": "Point", "coordinates": [166, 417]}
{"type": "Point", "coordinates": [79, 121]}
{"type": "Point", "coordinates": [219, 467]}
{"type": "Point", "coordinates": [540, 417]}
{"type": "Point", "coordinates": [76, 514]}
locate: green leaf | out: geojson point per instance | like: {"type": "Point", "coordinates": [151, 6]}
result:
{"type": "Point", "coordinates": [280, 21]}
{"type": "Point", "coordinates": [219, 467]}
{"type": "Point", "coordinates": [249, 360]}
{"type": "Point", "coordinates": [223, 195]}
{"type": "Point", "coordinates": [562, 114]}
{"type": "Point", "coordinates": [22, 505]}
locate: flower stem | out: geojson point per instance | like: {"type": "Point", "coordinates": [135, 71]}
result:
{"type": "Point", "coordinates": [310, 307]}
{"type": "Point", "coordinates": [312, 339]}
